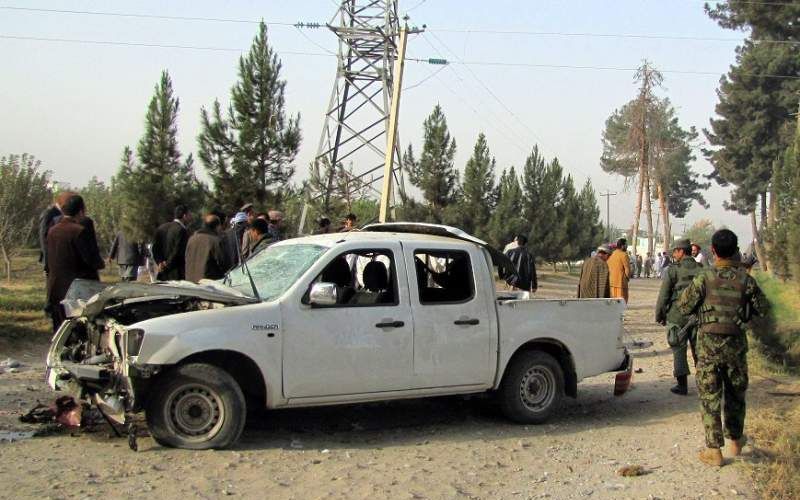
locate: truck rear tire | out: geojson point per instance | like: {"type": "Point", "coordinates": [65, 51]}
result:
{"type": "Point", "coordinates": [532, 389]}
{"type": "Point", "coordinates": [196, 406]}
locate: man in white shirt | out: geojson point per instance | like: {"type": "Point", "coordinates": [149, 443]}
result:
{"type": "Point", "coordinates": [698, 255]}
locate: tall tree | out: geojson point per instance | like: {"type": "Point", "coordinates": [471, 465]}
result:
{"type": "Point", "coordinates": [151, 188]}
{"type": "Point", "coordinates": [507, 220]}
{"type": "Point", "coordinates": [24, 193]}
{"type": "Point", "coordinates": [590, 229]}
{"type": "Point", "coordinates": [434, 173]}
{"type": "Point", "coordinates": [249, 149]}
{"type": "Point", "coordinates": [478, 195]}
{"type": "Point", "coordinates": [543, 185]}
{"type": "Point", "coordinates": [752, 130]}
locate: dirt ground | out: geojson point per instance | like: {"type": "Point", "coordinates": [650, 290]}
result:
{"type": "Point", "coordinates": [433, 448]}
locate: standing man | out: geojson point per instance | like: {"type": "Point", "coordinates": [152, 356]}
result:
{"type": "Point", "coordinates": [324, 226]}
{"type": "Point", "coordinates": [48, 219]}
{"type": "Point", "coordinates": [593, 283]}
{"type": "Point", "coordinates": [698, 255]}
{"type": "Point", "coordinates": [619, 270]}
{"type": "Point", "coordinates": [725, 297]}
{"type": "Point", "coordinates": [72, 253]}
{"type": "Point", "coordinates": [275, 224]}
{"type": "Point", "coordinates": [639, 265]}
{"type": "Point", "coordinates": [349, 223]}
{"type": "Point", "coordinates": [205, 253]}
{"type": "Point", "coordinates": [675, 280]}
{"type": "Point", "coordinates": [244, 237]}
{"type": "Point", "coordinates": [169, 246]}
{"type": "Point", "coordinates": [129, 256]}
{"type": "Point", "coordinates": [259, 236]}
{"type": "Point", "coordinates": [648, 265]}
{"type": "Point", "coordinates": [525, 266]}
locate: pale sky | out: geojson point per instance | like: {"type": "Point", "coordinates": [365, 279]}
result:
{"type": "Point", "coordinates": [75, 106]}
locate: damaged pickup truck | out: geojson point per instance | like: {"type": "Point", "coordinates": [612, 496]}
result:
{"type": "Point", "coordinates": [394, 311]}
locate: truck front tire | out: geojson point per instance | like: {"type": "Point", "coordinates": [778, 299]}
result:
{"type": "Point", "coordinates": [196, 406]}
{"type": "Point", "coordinates": [533, 388]}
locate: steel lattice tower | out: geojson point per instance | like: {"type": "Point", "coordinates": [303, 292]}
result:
{"type": "Point", "coordinates": [357, 116]}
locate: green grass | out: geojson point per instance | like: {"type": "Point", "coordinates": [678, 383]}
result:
{"type": "Point", "coordinates": [775, 423]}
{"type": "Point", "coordinates": [778, 335]}
{"type": "Point", "coordinates": [22, 319]}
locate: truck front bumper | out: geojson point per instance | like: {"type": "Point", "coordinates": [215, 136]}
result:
{"type": "Point", "coordinates": [622, 381]}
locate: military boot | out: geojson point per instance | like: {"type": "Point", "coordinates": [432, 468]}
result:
{"type": "Point", "coordinates": [735, 446]}
{"type": "Point", "coordinates": [711, 456]}
{"type": "Point", "coordinates": [682, 387]}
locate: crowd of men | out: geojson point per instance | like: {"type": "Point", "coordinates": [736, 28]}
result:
{"type": "Point", "coordinates": [69, 248]}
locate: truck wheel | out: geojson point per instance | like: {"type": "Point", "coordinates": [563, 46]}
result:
{"type": "Point", "coordinates": [197, 407]}
{"type": "Point", "coordinates": [532, 388]}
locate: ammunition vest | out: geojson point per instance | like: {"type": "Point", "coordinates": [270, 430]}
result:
{"type": "Point", "coordinates": [682, 273]}
{"type": "Point", "coordinates": [724, 301]}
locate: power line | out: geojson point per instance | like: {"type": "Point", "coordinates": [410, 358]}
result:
{"type": "Point", "coordinates": [149, 45]}
{"type": "Point", "coordinates": [490, 92]}
{"type": "Point", "coordinates": [421, 60]}
{"type": "Point", "coordinates": [142, 16]}
{"type": "Point", "coordinates": [477, 30]}
{"type": "Point", "coordinates": [645, 36]}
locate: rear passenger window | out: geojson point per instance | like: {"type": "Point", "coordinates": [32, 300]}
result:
{"type": "Point", "coordinates": [443, 276]}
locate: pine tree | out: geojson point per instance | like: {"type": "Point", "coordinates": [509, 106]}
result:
{"type": "Point", "coordinates": [150, 190]}
{"type": "Point", "coordinates": [507, 221]}
{"type": "Point", "coordinates": [753, 127]}
{"type": "Point", "coordinates": [542, 187]}
{"type": "Point", "coordinates": [590, 233]}
{"type": "Point", "coordinates": [477, 190]}
{"type": "Point", "coordinates": [434, 173]}
{"type": "Point", "coordinates": [249, 149]}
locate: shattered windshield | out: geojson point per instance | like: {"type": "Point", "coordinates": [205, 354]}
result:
{"type": "Point", "coordinates": [275, 269]}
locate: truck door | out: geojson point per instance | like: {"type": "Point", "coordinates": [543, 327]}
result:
{"type": "Point", "coordinates": [453, 340]}
{"type": "Point", "coordinates": [362, 344]}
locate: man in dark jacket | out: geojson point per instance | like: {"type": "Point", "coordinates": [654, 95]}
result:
{"type": "Point", "coordinates": [525, 266]}
{"type": "Point", "coordinates": [260, 237]}
{"type": "Point", "coordinates": [169, 245]}
{"type": "Point", "coordinates": [129, 256]}
{"type": "Point", "coordinates": [47, 219]}
{"type": "Point", "coordinates": [205, 254]}
{"type": "Point", "coordinates": [72, 253]}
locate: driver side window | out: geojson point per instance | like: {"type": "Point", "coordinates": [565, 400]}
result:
{"type": "Point", "coordinates": [362, 278]}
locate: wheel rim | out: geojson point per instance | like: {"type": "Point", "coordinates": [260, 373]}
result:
{"type": "Point", "coordinates": [195, 412]}
{"type": "Point", "coordinates": [537, 388]}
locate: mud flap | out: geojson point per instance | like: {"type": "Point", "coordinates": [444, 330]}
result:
{"type": "Point", "coordinates": [622, 381]}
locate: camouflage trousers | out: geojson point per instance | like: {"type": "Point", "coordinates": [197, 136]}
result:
{"type": "Point", "coordinates": [721, 383]}
{"type": "Point", "coordinates": [680, 363]}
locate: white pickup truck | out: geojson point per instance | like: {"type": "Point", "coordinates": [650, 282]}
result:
{"type": "Point", "coordinates": [393, 311]}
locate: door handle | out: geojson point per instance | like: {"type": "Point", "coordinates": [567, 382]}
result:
{"type": "Point", "coordinates": [473, 321]}
{"type": "Point", "coordinates": [390, 324]}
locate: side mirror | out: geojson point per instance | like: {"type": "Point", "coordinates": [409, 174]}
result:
{"type": "Point", "coordinates": [323, 294]}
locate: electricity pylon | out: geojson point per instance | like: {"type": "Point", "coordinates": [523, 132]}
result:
{"type": "Point", "coordinates": [359, 113]}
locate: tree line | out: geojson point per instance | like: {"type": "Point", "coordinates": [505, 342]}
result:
{"type": "Point", "coordinates": [754, 138]}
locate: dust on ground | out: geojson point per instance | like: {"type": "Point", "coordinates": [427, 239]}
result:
{"type": "Point", "coordinates": [428, 448]}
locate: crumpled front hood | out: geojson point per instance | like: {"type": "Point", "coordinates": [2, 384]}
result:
{"type": "Point", "coordinates": [81, 290]}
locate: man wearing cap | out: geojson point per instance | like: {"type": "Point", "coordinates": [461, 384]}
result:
{"type": "Point", "coordinates": [594, 275]}
{"type": "Point", "coordinates": [675, 279]}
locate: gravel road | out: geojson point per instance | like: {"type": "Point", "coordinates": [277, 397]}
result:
{"type": "Point", "coordinates": [433, 448]}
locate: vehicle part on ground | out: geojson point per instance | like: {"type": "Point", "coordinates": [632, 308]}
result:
{"type": "Point", "coordinates": [196, 406]}
{"type": "Point", "coordinates": [533, 387]}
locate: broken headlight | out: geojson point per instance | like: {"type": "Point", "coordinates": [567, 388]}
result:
{"type": "Point", "coordinates": [133, 341]}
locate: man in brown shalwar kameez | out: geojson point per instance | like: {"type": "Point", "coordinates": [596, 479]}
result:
{"type": "Point", "coordinates": [594, 276]}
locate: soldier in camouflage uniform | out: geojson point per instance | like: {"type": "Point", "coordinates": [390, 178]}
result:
{"type": "Point", "coordinates": [725, 297]}
{"type": "Point", "coordinates": [676, 278]}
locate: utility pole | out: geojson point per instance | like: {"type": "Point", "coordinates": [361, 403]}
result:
{"type": "Point", "coordinates": [391, 129]}
{"type": "Point", "coordinates": [608, 194]}
{"type": "Point", "coordinates": [365, 92]}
